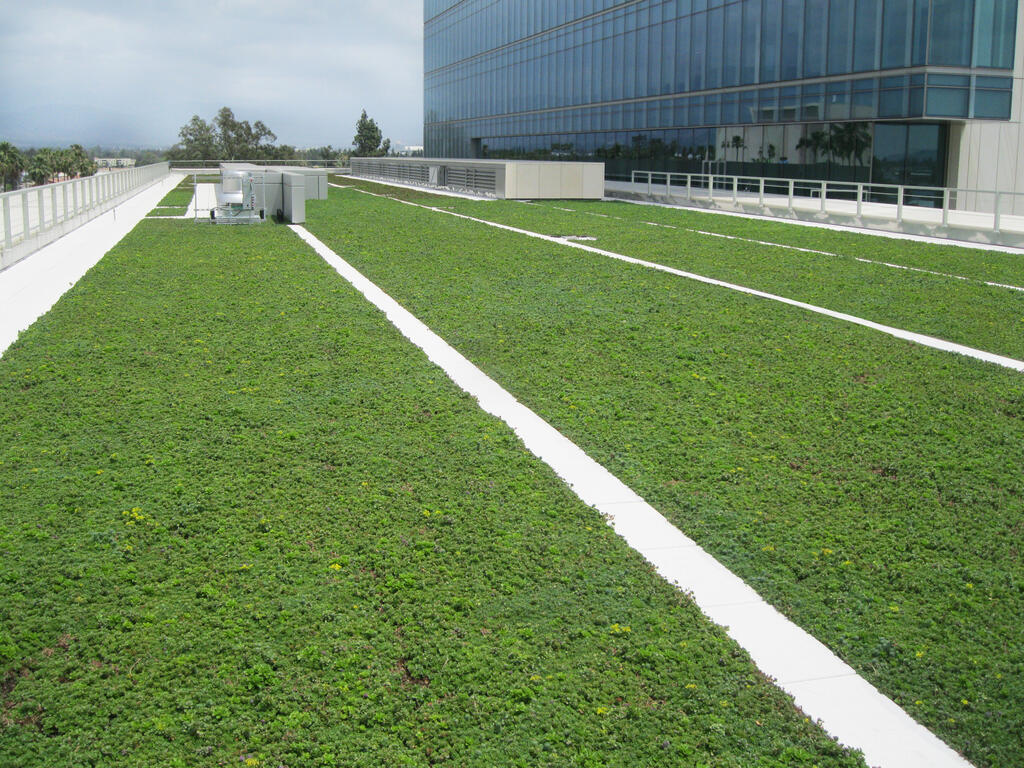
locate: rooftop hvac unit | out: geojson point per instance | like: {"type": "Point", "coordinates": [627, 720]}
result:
{"type": "Point", "coordinates": [241, 198]}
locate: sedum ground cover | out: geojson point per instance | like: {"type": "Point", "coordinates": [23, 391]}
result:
{"type": "Point", "coordinates": [965, 311]}
{"type": "Point", "coordinates": [244, 522]}
{"type": "Point", "coordinates": [176, 202]}
{"type": "Point", "coordinates": [869, 488]}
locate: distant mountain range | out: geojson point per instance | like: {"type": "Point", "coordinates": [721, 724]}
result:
{"type": "Point", "coordinates": [58, 125]}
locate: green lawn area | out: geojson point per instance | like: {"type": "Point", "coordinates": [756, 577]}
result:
{"type": "Point", "coordinates": [159, 212]}
{"type": "Point", "coordinates": [245, 522]}
{"type": "Point", "coordinates": [869, 488]}
{"type": "Point", "coordinates": [175, 202]}
{"type": "Point", "coordinates": [964, 311]}
{"type": "Point", "coordinates": [181, 195]}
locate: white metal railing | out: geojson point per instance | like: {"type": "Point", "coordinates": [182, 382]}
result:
{"type": "Point", "coordinates": [34, 216]}
{"type": "Point", "coordinates": [214, 165]}
{"type": "Point", "coordinates": [987, 210]}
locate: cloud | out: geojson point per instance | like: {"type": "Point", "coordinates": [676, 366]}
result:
{"type": "Point", "coordinates": [304, 68]}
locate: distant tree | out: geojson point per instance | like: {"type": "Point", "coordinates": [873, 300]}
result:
{"type": "Point", "coordinates": [325, 154]}
{"type": "Point", "coordinates": [241, 141]}
{"type": "Point", "coordinates": [368, 139]}
{"type": "Point", "coordinates": [63, 163]}
{"type": "Point", "coordinates": [198, 140]}
{"type": "Point", "coordinates": [82, 163]}
{"type": "Point", "coordinates": [281, 152]}
{"type": "Point", "coordinates": [12, 164]}
{"type": "Point", "coordinates": [41, 166]}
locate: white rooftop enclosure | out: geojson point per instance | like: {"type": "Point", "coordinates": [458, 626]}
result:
{"type": "Point", "coordinates": [512, 179]}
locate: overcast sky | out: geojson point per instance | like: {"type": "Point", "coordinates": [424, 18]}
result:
{"type": "Point", "coordinates": [135, 71]}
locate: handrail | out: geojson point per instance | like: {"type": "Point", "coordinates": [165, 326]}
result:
{"type": "Point", "coordinates": [766, 189]}
{"type": "Point", "coordinates": [34, 216]}
{"type": "Point", "coordinates": [215, 164]}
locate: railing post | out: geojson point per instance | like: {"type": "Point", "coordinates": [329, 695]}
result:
{"type": "Point", "coordinates": [760, 193]}
{"type": "Point", "coordinates": [41, 202]}
{"type": "Point", "coordinates": [24, 216]}
{"type": "Point", "coordinates": [74, 198]}
{"type": "Point", "coordinates": [650, 181]}
{"type": "Point", "coordinates": [64, 211]}
{"type": "Point", "coordinates": [791, 194]}
{"type": "Point", "coordinates": [997, 220]}
{"type": "Point", "coordinates": [735, 189]}
{"type": "Point", "coordinates": [945, 207]}
{"type": "Point", "coordinates": [8, 237]}
{"type": "Point", "coordinates": [711, 186]}
{"type": "Point", "coordinates": [668, 185]}
{"type": "Point", "coordinates": [860, 200]}
{"type": "Point", "coordinates": [824, 194]}
{"type": "Point", "coordinates": [689, 188]}
{"type": "Point", "coordinates": [53, 206]}
{"type": "Point", "coordinates": [899, 204]}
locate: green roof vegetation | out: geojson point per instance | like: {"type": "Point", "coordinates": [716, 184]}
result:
{"type": "Point", "coordinates": [869, 488]}
{"type": "Point", "coordinates": [245, 522]}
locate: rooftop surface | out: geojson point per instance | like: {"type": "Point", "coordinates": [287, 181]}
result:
{"type": "Point", "coordinates": [246, 519]}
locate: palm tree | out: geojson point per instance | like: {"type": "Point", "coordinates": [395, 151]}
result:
{"type": "Point", "coordinates": [63, 163]}
{"type": "Point", "coordinates": [850, 140]}
{"type": "Point", "coordinates": [860, 141]}
{"type": "Point", "coordinates": [737, 143]}
{"type": "Point", "coordinates": [817, 141]}
{"type": "Point", "coordinates": [40, 167]}
{"type": "Point", "coordinates": [81, 163]}
{"type": "Point", "coordinates": [12, 163]}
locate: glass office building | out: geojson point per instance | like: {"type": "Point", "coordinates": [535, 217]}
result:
{"type": "Point", "coordinates": [872, 90]}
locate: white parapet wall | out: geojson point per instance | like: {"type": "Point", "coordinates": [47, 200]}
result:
{"type": "Point", "coordinates": [511, 179]}
{"type": "Point", "coordinates": [36, 216]}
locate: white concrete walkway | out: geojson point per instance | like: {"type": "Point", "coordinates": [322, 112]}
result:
{"type": "Point", "coordinates": [29, 288]}
{"type": "Point", "coordinates": [824, 686]}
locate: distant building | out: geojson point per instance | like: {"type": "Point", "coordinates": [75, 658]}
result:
{"type": "Point", "coordinates": [114, 162]}
{"type": "Point", "coordinates": [925, 92]}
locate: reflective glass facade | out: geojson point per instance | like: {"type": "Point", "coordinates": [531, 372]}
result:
{"type": "Point", "coordinates": [773, 87]}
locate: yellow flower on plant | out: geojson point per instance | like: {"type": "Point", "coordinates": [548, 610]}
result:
{"type": "Point", "coordinates": [334, 567]}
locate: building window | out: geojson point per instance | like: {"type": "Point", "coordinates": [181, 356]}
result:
{"type": "Point", "coordinates": [951, 24]}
